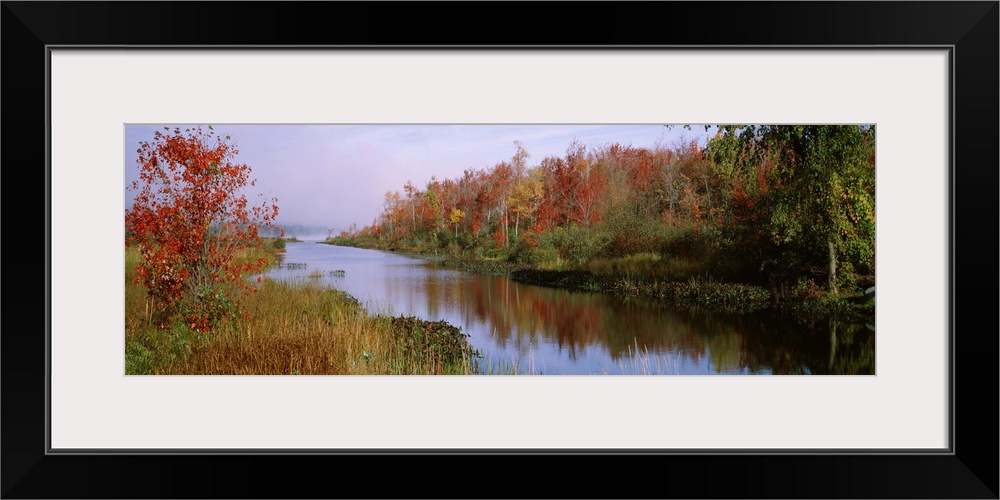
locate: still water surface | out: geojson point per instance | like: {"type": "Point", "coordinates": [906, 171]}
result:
{"type": "Point", "coordinates": [554, 331]}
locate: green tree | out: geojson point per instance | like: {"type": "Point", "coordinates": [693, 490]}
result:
{"type": "Point", "coordinates": [822, 193]}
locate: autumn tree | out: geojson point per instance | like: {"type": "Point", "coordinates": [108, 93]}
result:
{"type": "Point", "coordinates": [433, 205]}
{"type": "Point", "coordinates": [411, 200]}
{"type": "Point", "coordinates": [526, 197]}
{"type": "Point", "coordinates": [455, 218]}
{"type": "Point", "coordinates": [192, 223]}
{"type": "Point", "coordinates": [390, 212]}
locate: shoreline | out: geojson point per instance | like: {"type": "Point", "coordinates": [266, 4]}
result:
{"type": "Point", "coordinates": [692, 294]}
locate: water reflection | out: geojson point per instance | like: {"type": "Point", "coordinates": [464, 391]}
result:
{"type": "Point", "coordinates": [558, 331]}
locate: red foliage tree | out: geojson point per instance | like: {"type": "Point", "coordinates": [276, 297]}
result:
{"type": "Point", "coordinates": [192, 223]}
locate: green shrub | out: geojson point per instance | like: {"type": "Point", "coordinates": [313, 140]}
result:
{"type": "Point", "coordinates": [495, 254]}
{"type": "Point", "coordinates": [547, 258]}
{"type": "Point", "coordinates": [574, 243]}
{"type": "Point", "coordinates": [477, 252]}
{"type": "Point", "coordinates": [437, 344]}
{"type": "Point", "coordinates": [690, 242]}
{"type": "Point", "coordinates": [630, 233]}
{"type": "Point", "coordinates": [522, 253]}
{"type": "Point", "coordinates": [150, 351]}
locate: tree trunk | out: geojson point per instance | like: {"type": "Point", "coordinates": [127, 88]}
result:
{"type": "Point", "coordinates": [506, 230]}
{"type": "Point", "coordinates": [833, 264]}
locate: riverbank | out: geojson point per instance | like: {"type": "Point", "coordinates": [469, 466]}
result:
{"type": "Point", "coordinates": [707, 295]}
{"type": "Point", "coordinates": [669, 283]}
{"type": "Point", "coordinates": [291, 328]}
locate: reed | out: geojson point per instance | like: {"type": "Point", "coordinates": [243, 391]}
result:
{"type": "Point", "coordinates": [641, 362]}
{"type": "Point", "coordinates": [500, 367]}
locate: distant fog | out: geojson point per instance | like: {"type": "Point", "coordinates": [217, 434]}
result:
{"type": "Point", "coordinates": [304, 232]}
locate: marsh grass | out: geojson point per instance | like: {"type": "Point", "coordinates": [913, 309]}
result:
{"type": "Point", "coordinates": [513, 366]}
{"type": "Point", "coordinates": [251, 254]}
{"type": "Point", "coordinates": [699, 294]}
{"type": "Point", "coordinates": [292, 328]}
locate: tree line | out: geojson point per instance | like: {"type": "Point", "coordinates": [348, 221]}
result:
{"type": "Point", "coordinates": [770, 204]}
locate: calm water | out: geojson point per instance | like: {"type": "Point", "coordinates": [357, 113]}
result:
{"type": "Point", "coordinates": [553, 331]}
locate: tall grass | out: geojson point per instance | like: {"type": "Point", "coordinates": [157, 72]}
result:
{"type": "Point", "coordinates": [646, 266]}
{"type": "Point", "coordinates": [640, 362]}
{"type": "Point", "coordinates": [512, 366]}
{"type": "Point", "coordinates": [289, 328]}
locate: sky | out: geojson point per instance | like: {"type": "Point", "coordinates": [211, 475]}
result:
{"type": "Point", "coordinates": [330, 176]}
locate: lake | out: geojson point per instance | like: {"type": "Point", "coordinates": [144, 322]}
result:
{"type": "Point", "coordinates": [541, 330]}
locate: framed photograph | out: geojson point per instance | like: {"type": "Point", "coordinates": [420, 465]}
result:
{"type": "Point", "coordinates": [499, 249]}
{"type": "Point", "coordinates": [919, 79]}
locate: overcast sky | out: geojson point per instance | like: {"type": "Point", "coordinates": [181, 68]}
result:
{"type": "Point", "coordinates": [333, 175]}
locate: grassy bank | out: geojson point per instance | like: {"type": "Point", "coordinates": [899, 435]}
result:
{"type": "Point", "coordinates": [292, 328]}
{"type": "Point", "coordinates": [276, 244]}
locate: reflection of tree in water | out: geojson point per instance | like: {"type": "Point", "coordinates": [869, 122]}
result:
{"type": "Point", "coordinates": [650, 326]}
{"type": "Point", "coordinates": [522, 316]}
{"type": "Point", "coordinates": [859, 342]}
{"type": "Point", "coordinates": [787, 346]}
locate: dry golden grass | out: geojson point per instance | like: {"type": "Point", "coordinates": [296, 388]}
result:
{"type": "Point", "coordinates": [283, 329]}
{"type": "Point", "coordinates": [294, 329]}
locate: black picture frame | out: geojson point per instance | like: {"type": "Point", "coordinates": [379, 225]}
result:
{"type": "Point", "coordinates": [969, 470]}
